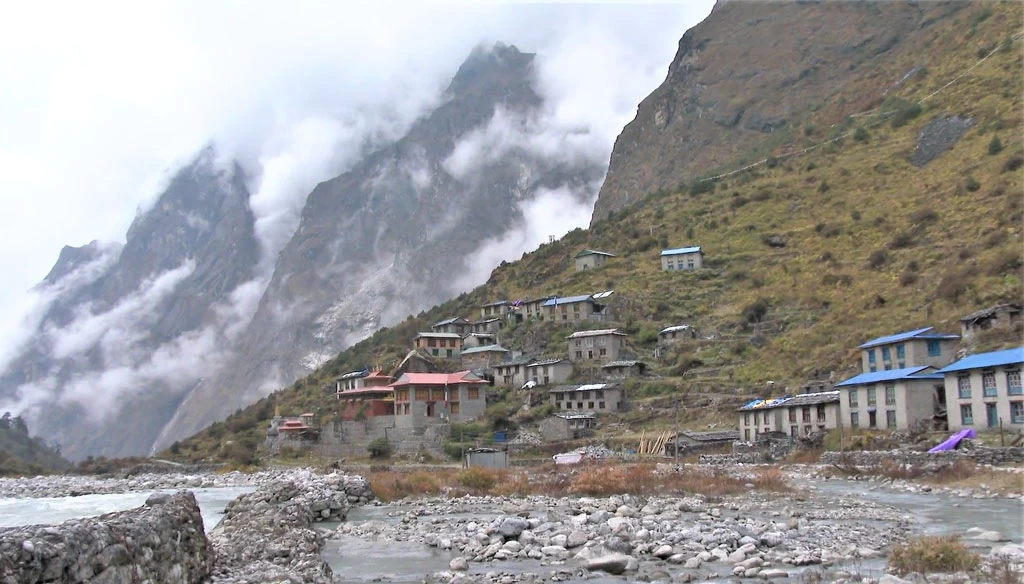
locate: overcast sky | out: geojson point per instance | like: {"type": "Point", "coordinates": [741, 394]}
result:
{"type": "Point", "coordinates": [101, 100]}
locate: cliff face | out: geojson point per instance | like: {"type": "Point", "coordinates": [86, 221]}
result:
{"type": "Point", "coordinates": [392, 236]}
{"type": "Point", "coordinates": [747, 77]}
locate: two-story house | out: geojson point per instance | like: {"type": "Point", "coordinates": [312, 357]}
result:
{"type": "Point", "coordinates": [984, 390]}
{"type": "Point", "coordinates": [483, 359]}
{"type": "Point", "coordinates": [895, 399]}
{"type": "Point", "coordinates": [914, 348]}
{"type": "Point", "coordinates": [494, 309]}
{"type": "Point", "coordinates": [796, 416]}
{"type": "Point", "coordinates": [589, 259]}
{"type": "Point", "coordinates": [457, 325]}
{"type": "Point", "coordinates": [574, 308]}
{"type": "Point", "coordinates": [549, 371]}
{"type": "Point", "coordinates": [446, 345]}
{"type": "Point", "coordinates": [682, 258]}
{"type": "Point", "coordinates": [601, 345]}
{"type": "Point", "coordinates": [422, 399]}
{"type": "Point", "coordinates": [512, 373]}
{"type": "Point", "coordinates": [529, 309]}
{"type": "Point", "coordinates": [594, 398]}
{"type": "Point", "coordinates": [361, 379]}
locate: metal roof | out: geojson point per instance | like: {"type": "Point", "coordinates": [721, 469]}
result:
{"type": "Point", "coordinates": [485, 349]}
{"type": "Point", "coordinates": [712, 436]}
{"type": "Point", "coordinates": [524, 360]}
{"type": "Point", "coordinates": [498, 303]}
{"type": "Point", "coordinates": [680, 250]}
{"type": "Point", "coordinates": [803, 399]}
{"type": "Point", "coordinates": [544, 362]}
{"type": "Point", "coordinates": [438, 335]}
{"type": "Point", "coordinates": [452, 321]}
{"type": "Point", "coordinates": [1013, 356]}
{"type": "Point", "coordinates": [587, 387]}
{"type": "Point", "coordinates": [672, 329]}
{"type": "Point", "coordinates": [595, 333]}
{"type": "Point", "coordinates": [601, 295]}
{"type": "Point", "coordinates": [437, 379]}
{"type": "Point", "coordinates": [904, 336]}
{"type": "Point", "coordinates": [578, 417]}
{"type": "Point", "coordinates": [353, 374]}
{"type": "Point", "coordinates": [918, 372]}
{"type": "Point", "coordinates": [588, 252]}
{"type": "Point", "coordinates": [567, 300]}
{"type": "Point", "coordinates": [987, 312]}
{"type": "Point", "coordinates": [623, 364]}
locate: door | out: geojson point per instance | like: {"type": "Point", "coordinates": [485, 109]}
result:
{"type": "Point", "coordinates": [430, 409]}
{"type": "Point", "coordinates": [992, 415]}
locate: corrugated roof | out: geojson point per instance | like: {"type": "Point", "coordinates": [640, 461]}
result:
{"type": "Point", "coordinates": [595, 333]}
{"type": "Point", "coordinates": [451, 321]}
{"type": "Point", "coordinates": [714, 436]}
{"type": "Point", "coordinates": [353, 374]}
{"type": "Point", "coordinates": [365, 390]}
{"type": "Point", "coordinates": [524, 360]}
{"type": "Point", "coordinates": [601, 295]}
{"type": "Point", "coordinates": [587, 387]}
{"type": "Point", "coordinates": [622, 364]}
{"type": "Point", "coordinates": [680, 250]}
{"type": "Point", "coordinates": [987, 312]}
{"type": "Point", "coordinates": [485, 349]}
{"type": "Point", "coordinates": [982, 360]}
{"type": "Point", "coordinates": [918, 372]}
{"type": "Point", "coordinates": [438, 335]}
{"type": "Point", "coordinates": [672, 329]}
{"type": "Point", "coordinates": [804, 399]}
{"type": "Point", "coordinates": [577, 416]}
{"type": "Point", "coordinates": [588, 252]}
{"type": "Point", "coordinates": [498, 303]}
{"type": "Point", "coordinates": [544, 362]}
{"type": "Point", "coordinates": [436, 379]}
{"type": "Point", "coordinates": [567, 300]}
{"type": "Point", "coordinates": [914, 334]}
{"type": "Point", "coordinates": [486, 320]}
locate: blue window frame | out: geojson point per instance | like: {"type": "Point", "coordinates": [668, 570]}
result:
{"type": "Point", "coordinates": [934, 348]}
{"type": "Point", "coordinates": [966, 416]}
{"type": "Point", "coordinates": [886, 355]}
{"type": "Point", "coordinates": [901, 351]}
{"type": "Point", "coordinates": [871, 355]}
{"type": "Point", "coordinates": [1013, 385]}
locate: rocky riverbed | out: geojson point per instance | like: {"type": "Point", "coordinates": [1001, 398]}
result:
{"type": "Point", "coordinates": [76, 485]}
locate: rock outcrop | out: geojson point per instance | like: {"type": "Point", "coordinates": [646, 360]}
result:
{"type": "Point", "coordinates": [754, 69]}
{"type": "Point", "coordinates": [162, 541]}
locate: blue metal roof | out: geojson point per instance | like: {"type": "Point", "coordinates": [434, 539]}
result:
{"type": "Point", "coordinates": [915, 334]}
{"type": "Point", "coordinates": [680, 250]}
{"type": "Point", "coordinates": [982, 360]}
{"type": "Point", "coordinates": [891, 375]}
{"type": "Point", "coordinates": [567, 300]}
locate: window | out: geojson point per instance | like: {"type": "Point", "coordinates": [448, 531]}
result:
{"type": "Point", "coordinates": [806, 413]}
{"type": "Point", "coordinates": [1013, 382]}
{"type": "Point", "coordinates": [746, 419]}
{"type": "Point", "coordinates": [579, 354]}
{"type": "Point", "coordinates": [746, 435]}
{"type": "Point", "coordinates": [886, 356]}
{"type": "Point", "coordinates": [590, 405]}
{"type": "Point", "coordinates": [765, 417]}
{"type": "Point", "coordinates": [579, 343]}
{"type": "Point", "coordinates": [872, 400]}
{"type": "Point", "coordinates": [888, 366]}
{"type": "Point", "coordinates": [934, 348]}
{"type": "Point", "coordinates": [963, 386]}
{"type": "Point", "coordinates": [1017, 412]}
{"type": "Point", "coordinates": [474, 393]}
{"type": "Point", "coordinates": [901, 351]}
{"type": "Point", "coordinates": [853, 397]}
{"type": "Point", "coordinates": [568, 405]}
{"type": "Point", "coordinates": [871, 356]}
{"type": "Point", "coordinates": [966, 416]}
{"type": "Point", "coordinates": [890, 394]}
{"type": "Point", "coordinates": [422, 394]}
{"type": "Point", "coordinates": [890, 419]}
{"type": "Point", "coordinates": [402, 395]}
{"type": "Point", "coordinates": [449, 352]}
{"type": "Point", "coordinates": [604, 352]}
{"type": "Point", "coordinates": [434, 352]}
{"type": "Point", "coordinates": [600, 405]}
{"type": "Point", "coordinates": [854, 420]}
{"type": "Point", "coordinates": [579, 405]}
{"type": "Point", "coordinates": [872, 420]}
{"type": "Point", "coordinates": [872, 369]}
{"type": "Point", "coordinates": [792, 415]}
{"type": "Point", "coordinates": [455, 407]}
{"type": "Point", "coordinates": [599, 394]}
{"type": "Point", "coordinates": [821, 412]}
{"type": "Point", "coordinates": [558, 405]}
{"type": "Point", "coordinates": [988, 383]}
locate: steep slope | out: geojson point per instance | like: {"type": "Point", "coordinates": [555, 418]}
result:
{"type": "Point", "coordinates": [128, 329]}
{"type": "Point", "coordinates": [748, 79]}
{"type": "Point", "coordinates": [907, 214]}
{"type": "Point", "coordinates": [396, 233]}
{"type": "Point", "coordinates": [21, 454]}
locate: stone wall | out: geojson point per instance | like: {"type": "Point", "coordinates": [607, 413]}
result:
{"type": "Point", "coordinates": [746, 453]}
{"type": "Point", "coordinates": [350, 439]}
{"type": "Point", "coordinates": [978, 454]}
{"type": "Point", "coordinates": [162, 541]}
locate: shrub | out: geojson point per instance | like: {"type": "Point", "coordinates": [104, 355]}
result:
{"type": "Point", "coordinates": [922, 216]}
{"type": "Point", "coordinates": [1013, 163]}
{"type": "Point", "coordinates": [972, 184]}
{"type": "Point", "coordinates": [995, 238]}
{"type": "Point", "coordinates": [837, 280]}
{"type": "Point", "coordinates": [931, 554]}
{"type": "Point", "coordinates": [877, 259]}
{"type": "Point", "coordinates": [855, 215]}
{"type": "Point", "coordinates": [379, 448]}
{"type": "Point", "coordinates": [771, 162]}
{"type": "Point", "coordinates": [908, 278]}
{"type": "Point", "coordinates": [755, 312]}
{"type": "Point", "coordinates": [702, 186]}
{"type": "Point", "coordinates": [905, 113]}
{"type": "Point", "coordinates": [861, 135]}
{"type": "Point", "coordinates": [952, 286]}
{"type": "Point", "coordinates": [476, 478]}
{"type": "Point", "coordinates": [995, 146]}
{"type": "Point", "coordinates": [1006, 262]}
{"type": "Point", "coordinates": [902, 240]}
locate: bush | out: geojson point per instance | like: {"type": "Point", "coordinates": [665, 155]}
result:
{"type": "Point", "coordinates": [379, 448]}
{"type": "Point", "coordinates": [478, 479]}
{"type": "Point", "coordinates": [972, 184]}
{"type": "Point", "coordinates": [995, 146]}
{"type": "Point", "coordinates": [877, 259]}
{"type": "Point", "coordinates": [702, 186]}
{"type": "Point", "coordinates": [922, 216]}
{"type": "Point", "coordinates": [908, 278]}
{"type": "Point", "coordinates": [902, 240]}
{"type": "Point", "coordinates": [1006, 262]}
{"type": "Point", "coordinates": [1013, 163]}
{"type": "Point", "coordinates": [952, 286]}
{"type": "Point", "coordinates": [931, 554]}
{"type": "Point", "coordinates": [905, 113]}
{"type": "Point", "coordinates": [755, 312]}
{"type": "Point", "coordinates": [861, 135]}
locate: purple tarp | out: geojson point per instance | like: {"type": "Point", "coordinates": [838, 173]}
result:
{"type": "Point", "coordinates": [955, 439]}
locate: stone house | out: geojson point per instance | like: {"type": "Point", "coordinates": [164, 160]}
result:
{"type": "Point", "coordinates": [482, 359]}
{"type": "Point", "coordinates": [512, 373]}
{"type": "Point", "coordinates": [682, 258]}
{"type": "Point", "coordinates": [795, 416]}
{"type": "Point", "coordinates": [494, 309]}
{"type": "Point", "coordinates": [416, 361]}
{"type": "Point", "coordinates": [985, 390]}
{"type": "Point", "coordinates": [623, 369]}
{"type": "Point", "coordinates": [445, 345]}
{"type": "Point", "coordinates": [914, 348]}
{"type": "Point", "coordinates": [598, 398]}
{"type": "Point", "coordinates": [673, 334]}
{"type": "Point", "coordinates": [366, 402]}
{"type": "Point", "coordinates": [688, 441]}
{"type": "Point", "coordinates": [575, 308]}
{"type": "Point", "coordinates": [561, 427]}
{"type": "Point", "coordinates": [423, 399]}
{"type": "Point", "coordinates": [457, 325]}
{"type": "Point", "coordinates": [530, 309]}
{"type": "Point", "coordinates": [489, 326]}
{"type": "Point", "coordinates": [549, 371]}
{"type": "Point", "coordinates": [600, 345]}
{"type": "Point", "coordinates": [893, 399]}
{"type": "Point", "coordinates": [1003, 316]}
{"type": "Point", "coordinates": [360, 379]}
{"type": "Point", "coordinates": [589, 259]}
{"type": "Point", "coordinates": [471, 340]}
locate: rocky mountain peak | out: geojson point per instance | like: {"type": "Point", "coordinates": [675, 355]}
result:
{"type": "Point", "coordinates": [493, 69]}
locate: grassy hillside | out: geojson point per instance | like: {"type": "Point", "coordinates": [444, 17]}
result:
{"type": "Point", "coordinates": [21, 454]}
{"type": "Point", "coordinates": [808, 253]}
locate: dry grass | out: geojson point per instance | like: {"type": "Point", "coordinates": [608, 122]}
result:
{"type": "Point", "coordinates": [804, 456]}
{"type": "Point", "coordinates": [933, 554]}
{"type": "Point", "coordinates": [958, 475]}
{"type": "Point", "coordinates": [598, 480]}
